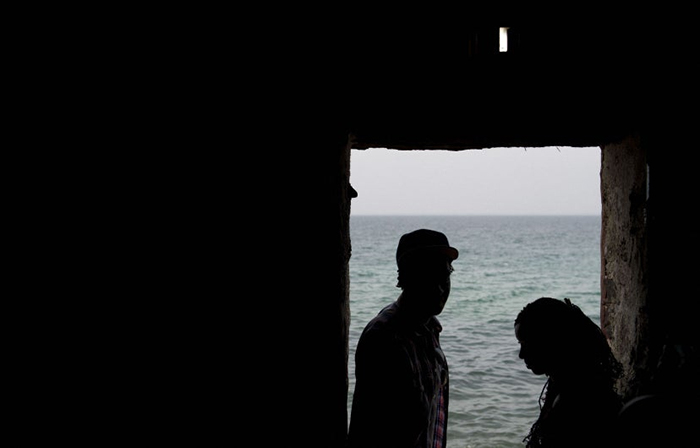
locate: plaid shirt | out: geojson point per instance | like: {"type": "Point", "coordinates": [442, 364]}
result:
{"type": "Point", "coordinates": [401, 391]}
{"type": "Point", "coordinates": [440, 433]}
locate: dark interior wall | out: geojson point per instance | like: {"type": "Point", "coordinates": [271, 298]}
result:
{"type": "Point", "coordinates": [331, 305]}
{"type": "Point", "coordinates": [416, 81]}
{"type": "Point", "coordinates": [674, 242]}
{"type": "Point", "coordinates": [260, 343]}
{"type": "Point", "coordinates": [306, 307]}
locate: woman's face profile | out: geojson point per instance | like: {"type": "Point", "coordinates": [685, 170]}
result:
{"type": "Point", "coordinates": [534, 351]}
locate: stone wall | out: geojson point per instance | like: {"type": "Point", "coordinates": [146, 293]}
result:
{"type": "Point", "coordinates": [624, 257]}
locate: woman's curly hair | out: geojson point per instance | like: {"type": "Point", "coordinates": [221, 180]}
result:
{"type": "Point", "coordinates": [563, 321]}
{"type": "Point", "coordinates": [584, 349]}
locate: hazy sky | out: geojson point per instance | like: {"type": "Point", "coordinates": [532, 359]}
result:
{"type": "Point", "coordinates": [496, 181]}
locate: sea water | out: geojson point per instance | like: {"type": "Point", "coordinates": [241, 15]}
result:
{"type": "Point", "coordinates": [504, 263]}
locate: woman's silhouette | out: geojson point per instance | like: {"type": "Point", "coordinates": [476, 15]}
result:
{"type": "Point", "coordinates": [578, 403]}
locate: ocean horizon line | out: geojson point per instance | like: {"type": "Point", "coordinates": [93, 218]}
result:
{"type": "Point", "coordinates": [475, 214]}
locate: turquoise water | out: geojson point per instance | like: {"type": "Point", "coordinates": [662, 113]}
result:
{"type": "Point", "coordinates": [504, 263]}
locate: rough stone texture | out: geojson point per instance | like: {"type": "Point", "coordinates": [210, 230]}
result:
{"type": "Point", "coordinates": [624, 257]}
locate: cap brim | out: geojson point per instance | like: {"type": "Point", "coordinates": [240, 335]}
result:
{"type": "Point", "coordinates": [448, 251]}
{"type": "Point", "coordinates": [451, 252]}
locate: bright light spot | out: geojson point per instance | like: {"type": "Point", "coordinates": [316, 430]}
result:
{"type": "Point", "coordinates": [503, 40]}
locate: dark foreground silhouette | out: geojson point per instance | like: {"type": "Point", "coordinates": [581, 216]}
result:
{"type": "Point", "coordinates": [401, 391]}
{"type": "Point", "coordinates": [578, 403]}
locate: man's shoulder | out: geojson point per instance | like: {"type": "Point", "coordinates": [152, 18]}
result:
{"type": "Point", "coordinates": [384, 317]}
{"type": "Point", "coordinates": [382, 323]}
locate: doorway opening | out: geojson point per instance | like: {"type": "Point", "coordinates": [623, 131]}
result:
{"type": "Point", "coordinates": [527, 224]}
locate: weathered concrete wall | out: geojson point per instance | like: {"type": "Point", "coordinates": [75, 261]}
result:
{"type": "Point", "coordinates": [624, 318]}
